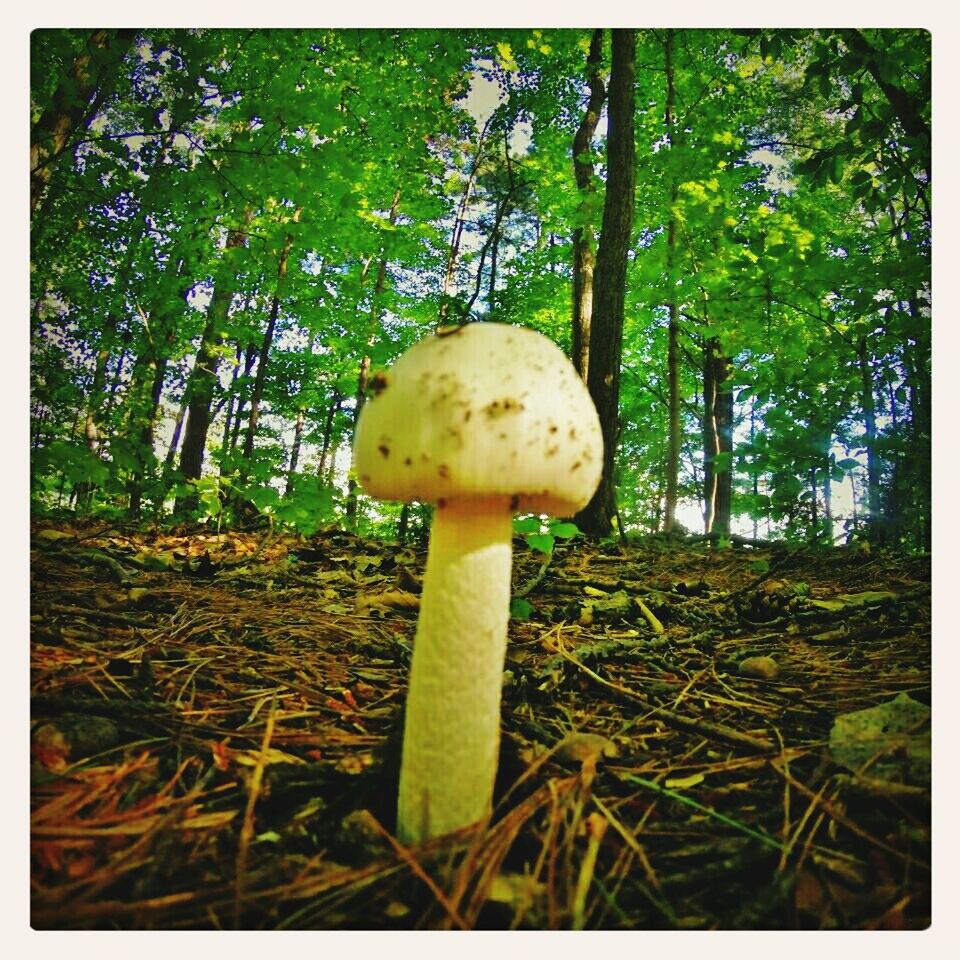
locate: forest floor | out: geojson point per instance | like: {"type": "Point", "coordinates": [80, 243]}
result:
{"type": "Point", "coordinates": [215, 738]}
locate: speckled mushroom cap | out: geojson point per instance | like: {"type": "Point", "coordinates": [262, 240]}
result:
{"type": "Point", "coordinates": [487, 410]}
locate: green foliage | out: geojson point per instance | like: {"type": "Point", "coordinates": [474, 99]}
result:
{"type": "Point", "coordinates": [73, 462]}
{"type": "Point", "coordinates": [796, 177]}
{"type": "Point", "coordinates": [307, 508]}
{"type": "Point", "coordinates": [212, 492]}
{"type": "Point", "coordinates": [542, 535]}
{"type": "Point", "coordinates": [520, 609]}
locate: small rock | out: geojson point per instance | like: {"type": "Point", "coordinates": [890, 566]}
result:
{"type": "Point", "coordinates": [894, 735]}
{"type": "Point", "coordinates": [360, 827]}
{"type": "Point", "coordinates": [761, 668]}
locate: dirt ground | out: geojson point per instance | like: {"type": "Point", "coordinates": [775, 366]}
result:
{"type": "Point", "coordinates": [215, 732]}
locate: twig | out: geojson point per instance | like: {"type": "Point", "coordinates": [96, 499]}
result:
{"type": "Point", "coordinates": [537, 579]}
{"type": "Point", "coordinates": [596, 826]}
{"type": "Point", "coordinates": [103, 615]}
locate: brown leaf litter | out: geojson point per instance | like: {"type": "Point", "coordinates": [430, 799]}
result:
{"type": "Point", "coordinates": [215, 738]}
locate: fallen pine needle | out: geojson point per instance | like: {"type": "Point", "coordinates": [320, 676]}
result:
{"type": "Point", "coordinates": [246, 831]}
{"type": "Point", "coordinates": [688, 801]}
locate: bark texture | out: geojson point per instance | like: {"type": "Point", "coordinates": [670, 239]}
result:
{"type": "Point", "coordinates": [584, 237]}
{"type": "Point", "coordinates": [717, 439]}
{"type": "Point", "coordinates": [203, 379]}
{"type": "Point", "coordinates": [673, 329]}
{"type": "Point", "coordinates": [606, 337]}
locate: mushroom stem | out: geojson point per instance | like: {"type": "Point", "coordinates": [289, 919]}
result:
{"type": "Point", "coordinates": [452, 727]}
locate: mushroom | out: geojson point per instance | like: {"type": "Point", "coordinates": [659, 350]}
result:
{"type": "Point", "coordinates": [483, 421]}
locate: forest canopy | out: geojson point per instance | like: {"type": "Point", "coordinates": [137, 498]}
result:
{"type": "Point", "coordinates": [234, 232]}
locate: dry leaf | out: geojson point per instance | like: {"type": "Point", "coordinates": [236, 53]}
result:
{"type": "Point", "coordinates": [387, 602]}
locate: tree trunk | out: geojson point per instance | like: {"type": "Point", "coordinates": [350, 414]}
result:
{"type": "Point", "coordinates": [295, 450]}
{"type": "Point", "coordinates": [249, 361]}
{"type": "Point", "coordinates": [256, 394]}
{"type": "Point", "coordinates": [584, 237]}
{"type": "Point", "coordinates": [502, 208]}
{"type": "Point", "coordinates": [916, 361]}
{"type": "Point", "coordinates": [492, 280]}
{"type": "Point", "coordinates": [828, 490]}
{"type": "Point", "coordinates": [335, 402]}
{"type": "Point", "coordinates": [458, 224]}
{"type": "Point", "coordinates": [203, 379]}
{"type": "Point", "coordinates": [363, 375]}
{"type": "Point", "coordinates": [175, 438]}
{"type": "Point", "coordinates": [231, 398]}
{"type": "Point", "coordinates": [75, 103]}
{"type": "Point", "coordinates": [868, 405]}
{"type": "Point", "coordinates": [673, 328]}
{"type": "Point", "coordinates": [160, 329]}
{"type": "Point", "coordinates": [754, 473]}
{"type": "Point", "coordinates": [606, 340]}
{"type": "Point", "coordinates": [717, 439]}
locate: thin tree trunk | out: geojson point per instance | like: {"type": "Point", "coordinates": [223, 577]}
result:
{"type": "Point", "coordinates": [855, 515]}
{"type": "Point", "coordinates": [606, 341]}
{"type": "Point", "coordinates": [98, 400]}
{"type": "Point", "coordinates": [39, 421]}
{"type": "Point", "coordinates": [331, 468]}
{"type": "Point", "coordinates": [717, 439]}
{"type": "Point", "coordinates": [814, 506]}
{"type": "Point", "coordinates": [673, 327]}
{"type": "Point", "coordinates": [160, 328]}
{"type": "Point", "coordinates": [249, 361]}
{"type": "Point", "coordinates": [363, 375]}
{"type": "Point", "coordinates": [916, 361]}
{"type": "Point", "coordinates": [868, 405]}
{"type": "Point", "coordinates": [754, 473]}
{"type": "Point", "coordinates": [175, 438]}
{"type": "Point", "coordinates": [115, 380]}
{"type": "Point", "coordinates": [295, 449]}
{"type": "Point", "coordinates": [256, 394]}
{"type": "Point", "coordinates": [492, 281]}
{"type": "Point", "coordinates": [403, 524]}
{"type": "Point", "coordinates": [503, 205]}
{"type": "Point", "coordinates": [328, 433]}
{"type": "Point", "coordinates": [203, 378]}
{"type": "Point", "coordinates": [456, 238]}
{"type": "Point", "coordinates": [828, 491]}
{"type": "Point", "coordinates": [584, 237]}
{"type": "Point", "coordinates": [231, 398]}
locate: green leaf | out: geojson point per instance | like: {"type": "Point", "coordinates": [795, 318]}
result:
{"type": "Point", "coordinates": [264, 498]}
{"type": "Point", "coordinates": [520, 609]}
{"type": "Point", "coordinates": [526, 525]}
{"type": "Point", "coordinates": [542, 542]}
{"type": "Point", "coordinates": [564, 530]}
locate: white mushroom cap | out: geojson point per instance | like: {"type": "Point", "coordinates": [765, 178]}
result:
{"type": "Point", "coordinates": [487, 411]}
